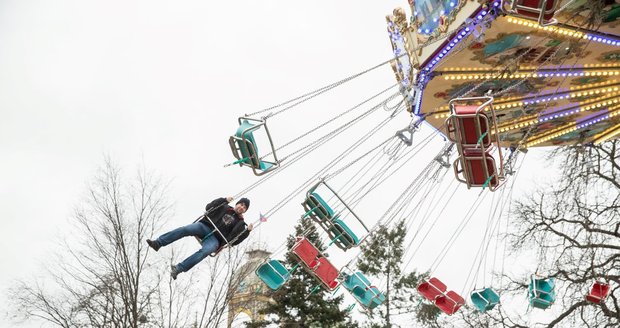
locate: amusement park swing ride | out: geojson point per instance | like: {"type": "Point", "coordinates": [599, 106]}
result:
{"type": "Point", "coordinates": [494, 78]}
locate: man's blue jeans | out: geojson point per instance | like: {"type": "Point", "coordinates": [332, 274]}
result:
{"type": "Point", "coordinates": [197, 229]}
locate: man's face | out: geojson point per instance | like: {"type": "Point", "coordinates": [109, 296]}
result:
{"type": "Point", "coordinates": [240, 208]}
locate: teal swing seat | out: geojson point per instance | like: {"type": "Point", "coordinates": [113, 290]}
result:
{"type": "Point", "coordinates": [333, 223]}
{"type": "Point", "coordinates": [317, 208]}
{"type": "Point", "coordinates": [342, 235]}
{"type": "Point", "coordinates": [367, 295]}
{"type": "Point", "coordinates": [273, 274]}
{"type": "Point", "coordinates": [484, 299]}
{"type": "Point", "coordinates": [244, 147]}
{"type": "Point", "coordinates": [541, 292]}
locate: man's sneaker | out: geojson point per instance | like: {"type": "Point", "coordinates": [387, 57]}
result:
{"type": "Point", "coordinates": [154, 244]}
{"type": "Point", "coordinates": [174, 272]}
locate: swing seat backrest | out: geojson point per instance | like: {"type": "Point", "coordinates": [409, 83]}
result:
{"type": "Point", "coordinates": [377, 297]}
{"type": "Point", "coordinates": [598, 292]}
{"type": "Point", "coordinates": [321, 209]}
{"type": "Point", "coordinates": [475, 171]}
{"type": "Point", "coordinates": [344, 234]}
{"type": "Point", "coordinates": [450, 302]}
{"type": "Point", "coordinates": [541, 292]}
{"type": "Point", "coordinates": [432, 289]}
{"type": "Point", "coordinates": [352, 281]}
{"type": "Point", "coordinates": [249, 149]}
{"type": "Point", "coordinates": [469, 126]}
{"type": "Point", "coordinates": [366, 294]}
{"type": "Point", "coordinates": [370, 297]}
{"type": "Point", "coordinates": [485, 299]}
{"type": "Point", "coordinates": [533, 8]}
{"type": "Point", "coordinates": [542, 301]}
{"type": "Point", "coordinates": [273, 274]}
{"type": "Point", "coordinates": [327, 273]}
{"type": "Point", "coordinates": [306, 252]}
{"type": "Point", "coordinates": [543, 285]}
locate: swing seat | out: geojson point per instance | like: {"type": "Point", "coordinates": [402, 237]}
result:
{"type": "Point", "coordinates": [306, 252]}
{"type": "Point", "coordinates": [598, 292]}
{"type": "Point", "coordinates": [361, 289]}
{"type": "Point", "coordinates": [243, 145]}
{"type": "Point", "coordinates": [541, 292]}
{"type": "Point", "coordinates": [273, 274]}
{"type": "Point", "coordinates": [318, 208]}
{"type": "Point", "coordinates": [322, 213]}
{"type": "Point", "coordinates": [342, 235]}
{"type": "Point", "coordinates": [484, 299]}
{"type": "Point", "coordinates": [467, 125]}
{"type": "Point", "coordinates": [474, 171]}
{"type": "Point", "coordinates": [542, 10]}
{"type": "Point", "coordinates": [450, 302]}
{"type": "Point", "coordinates": [545, 285]}
{"type": "Point", "coordinates": [541, 300]}
{"type": "Point", "coordinates": [326, 273]}
{"type": "Point", "coordinates": [431, 289]}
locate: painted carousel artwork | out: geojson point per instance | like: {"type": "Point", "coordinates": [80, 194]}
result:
{"type": "Point", "coordinates": [553, 72]}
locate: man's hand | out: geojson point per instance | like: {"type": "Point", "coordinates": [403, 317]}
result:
{"type": "Point", "coordinates": [229, 199]}
{"type": "Point", "coordinates": [250, 227]}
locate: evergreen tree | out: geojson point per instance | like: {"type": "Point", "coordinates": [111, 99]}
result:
{"type": "Point", "coordinates": [298, 303]}
{"type": "Point", "coordinates": [382, 257]}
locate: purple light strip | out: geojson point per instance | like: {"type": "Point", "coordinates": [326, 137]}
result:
{"type": "Point", "coordinates": [598, 38]}
{"type": "Point", "coordinates": [592, 119]}
{"type": "Point", "coordinates": [546, 99]}
{"type": "Point", "coordinates": [553, 113]}
{"type": "Point", "coordinates": [418, 104]}
{"type": "Point", "coordinates": [460, 35]}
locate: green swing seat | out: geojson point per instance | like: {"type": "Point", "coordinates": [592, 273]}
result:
{"type": "Point", "coordinates": [367, 295]}
{"type": "Point", "coordinates": [343, 234]}
{"type": "Point", "coordinates": [484, 299]}
{"type": "Point", "coordinates": [273, 274]}
{"type": "Point", "coordinates": [318, 208]}
{"type": "Point", "coordinates": [339, 232]}
{"type": "Point", "coordinates": [541, 292]}
{"type": "Point", "coordinates": [247, 146]}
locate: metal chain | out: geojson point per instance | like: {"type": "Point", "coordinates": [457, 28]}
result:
{"type": "Point", "coordinates": [328, 87]}
{"type": "Point", "coordinates": [345, 125]}
{"type": "Point", "coordinates": [331, 120]}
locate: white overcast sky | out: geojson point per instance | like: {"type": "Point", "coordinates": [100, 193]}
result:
{"type": "Point", "coordinates": [162, 83]}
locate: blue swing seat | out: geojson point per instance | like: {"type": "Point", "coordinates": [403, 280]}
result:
{"type": "Point", "coordinates": [344, 235]}
{"type": "Point", "coordinates": [541, 293]}
{"type": "Point", "coordinates": [318, 207]}
{"type": "Point", "coordinates": [273, 274]}
{"type": "Point", "coordinates": [248, 148]}
{"type": "Point", "coordinates": [366, 294]}
{"type": "Point", "coordinates": [484, 299]}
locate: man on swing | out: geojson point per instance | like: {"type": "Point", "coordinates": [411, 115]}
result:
{"type": "Point", "coordinates": [220, 225]}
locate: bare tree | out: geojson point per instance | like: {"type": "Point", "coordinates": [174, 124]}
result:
{"type": "Point", "coordinates": [105, 274]}
{"type": "Point", "coordinates": [574, 226]}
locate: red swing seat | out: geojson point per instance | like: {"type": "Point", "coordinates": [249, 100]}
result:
{"type": "Point", "coordinates": [315, 263]}
{"type": "Point", "coordinates": [450, 302]}
{"type": "Point", "coordinates": [327, 273]}
{"type": "Point", "coordinates": [431, 289]}
{"type": "Point", "coordinates": [467, 125]}
{"type": "Point", "coordinates": [598, 292]}
{"type": "Point", "coordinates": [534, 9]}
{"type": "Point", "coordinates": [474, 171]}
{"type": "Point", "coordinates": [306, 252]}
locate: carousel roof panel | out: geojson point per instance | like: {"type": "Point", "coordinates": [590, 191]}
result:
{"type": "Point", "coordinates": [555, 84]}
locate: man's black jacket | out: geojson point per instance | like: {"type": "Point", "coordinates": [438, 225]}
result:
{"type": "Point", "coordinates": [227, 221]}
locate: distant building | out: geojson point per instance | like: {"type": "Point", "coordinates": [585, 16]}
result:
{"type": "Point", "coordinates": [248, 293]}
